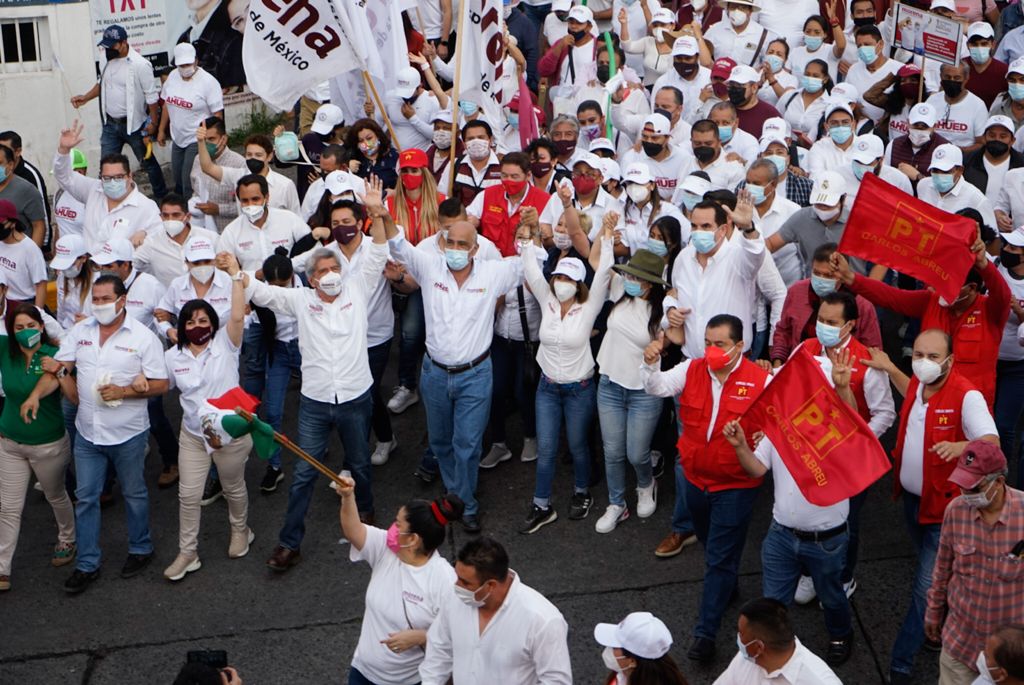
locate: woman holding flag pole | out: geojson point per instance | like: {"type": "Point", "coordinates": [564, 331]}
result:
{"type": "Point", "coordinates": [204, 365]}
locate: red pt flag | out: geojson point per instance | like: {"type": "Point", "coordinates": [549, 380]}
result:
{"type": "Point", "coordinates": [825, 444]}
{"type": "Point", "coordinates": [887, 226]}
{"type": "Point", "coordinates": [235, 397]}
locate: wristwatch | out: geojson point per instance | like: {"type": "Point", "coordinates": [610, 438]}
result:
{"type": "Point", "coordinates": [239, 275]}
{"type": "Point", "coordinates": [61, 372]}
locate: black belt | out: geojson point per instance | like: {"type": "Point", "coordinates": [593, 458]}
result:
{"type": "Point", "coordinates": [118, 120]}
{"type": "Point", "coordinates": [817, 535]}
{"type": "Point", "coordinates": [459, 368]}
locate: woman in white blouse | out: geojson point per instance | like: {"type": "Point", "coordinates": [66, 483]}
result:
{"type": "Point", "coordinates": [409, 582]}
{"type": "Point", "coordinates": [567, 386]}
{"type": "Point", "coordinates": [803, 108]}
{"type": "Point", "coordinates": [74, 280]}
{"type": "Point", "coordinates": [816, 31]}
{"type": "Point", "coordinates": [204, 365]}
{"type": "Point", "coordinates": [656, 47]}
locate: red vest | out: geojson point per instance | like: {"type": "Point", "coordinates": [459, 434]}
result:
{"type": "Point", "coordinates": [712, 465]}
{"type": "Point", "coordinates": [943, 422]}
{"type": "Point", "coordinates": [857, 373]}
{"type": "Point", "coordinates": [976, 341]}
{"type": "Point", "coordinates": [495, 222]}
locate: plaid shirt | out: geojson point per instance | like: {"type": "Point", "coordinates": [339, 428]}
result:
{"type": "Point", "coordinates": [218, 191]}
{"type": "Point", "coordinates": [798, 189]}
{"type": "Point", "coordinates": [974, 583]}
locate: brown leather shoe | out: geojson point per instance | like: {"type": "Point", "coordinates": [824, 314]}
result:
{"type": "Point", "coordinates": [367, 517]}
{"type": "Point", "coordinates": [283, 559]}
{"type": "Point", "coordinates": [673, 544]}
{"type": "Point", "coordinates": [168, 477]}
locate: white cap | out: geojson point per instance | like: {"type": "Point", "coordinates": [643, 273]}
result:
{"type": "Point", "coordinates": [637, 172]}
{"type": "Point", "coordinates": [198, 248]}
{"type": "Point", "coordinates": [829, 187]}
{"type": "Point", "coordinates": [659, 124]}
{"type": "Point", "coordinates": [696, 185]}
{"type": "Point", "coordinates": [867, 148]}
{"type": "Point", "coordinates": [981, 29]}
{"type": "Point", "coordinates": [845, 91]}
{"type": "Point", "coordinates": [582, 14]}
{"type": "Point", "coordinates": [922, 113]}
{"type": "Point", "coordinates": [561, 5]}
{"type": "Point", "coordinates": [610, 170]}
{"type": "Point", "coordinates": [442, 115]}
{"type": "Point", "coordinates": [663, 15]}
{"type": "Point", "coordinates": [117, 250]}
{"type": "Point", "coordinates": [840, 105]}
{"type": "Point", "coordinates": [641, 633]}
{"type": "Point", "coordinates": [1000, 120]}
{"type": "Point", "coordinates": [588, 158]}
{"type": "Point", "coordinates": [184, 54]}
{"type": "Point", "coordinates": [68, 249]}
{"type": "Point", "coordinates": [741, 73]}
{"type": "Point", "coordinates": [943, 5]}
{"type": "Point", "coordinates": [776, 127]}
{"type": "Point", "coordinates": [601, 144]}
{"type": "Point", "coordinates": [337, 182]}
{"type": "Point", "coordinates": [946, 156]}
{"type": "Point", "coordinates": [408, 82]}
{"type": "Point", "coordinates": [571, 267]}
{"type": "Point", "coordinates": [327, 117]}
{"type": "Point", "coordinates": [685, 46]}
{"type": "Point", "coordinates": [1016, 66]}
{"type": "Point", "coordinates": [1014, 237]}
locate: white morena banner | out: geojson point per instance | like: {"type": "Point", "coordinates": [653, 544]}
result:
{"type": "Point", "coordinates": [481, 53]}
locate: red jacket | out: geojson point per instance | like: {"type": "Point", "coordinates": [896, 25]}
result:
{"type": "Point", "coordinates": [800, 314]}
{"type": "Point", "coordinates": [857, 372]}
{"type": "Point", "coordinates": [495, 222]}
{"type": "Point", "coordinates": [712, 465]}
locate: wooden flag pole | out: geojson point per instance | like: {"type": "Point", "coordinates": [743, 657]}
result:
{"type": "Point", "coordinates": [285, 441]}
{"type": "Point", "coordinates": [383, 112]}
{"type": "Point", "coordinates": [459, 37]}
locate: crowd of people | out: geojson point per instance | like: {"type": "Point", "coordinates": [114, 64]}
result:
{"type": "Point", "coordinates": [624, 285]}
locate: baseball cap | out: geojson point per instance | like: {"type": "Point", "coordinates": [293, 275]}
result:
{"type": "Point", "coordinates": [744, 74]}
{"type": "Point", "coordinates": [561, 5]}
{"type": "Point", "coordinates": [722, 68]}
{"type": "Point", "coordinates": [327, 117]}
{"type": "Point", "coordinates": [829, 187]}
{"type": "Point", "coordinates": [408, 82]}
{"type": "Point", "coordinates": [640, 633]}
{"type": "Point", "coordinates": [1016, 66]}
{"type": "Point", "coordinates": [943, 5]}
{"type": "Point", "coordinates": [66, 251]}
{"type": "Point", "coordinates": [588, 158]}
{"type": "Point", "coordinates": [1000, 120]}
{"type": "Point", "coordinates": [412, 158]}
{"type": "Point", "coordinates": [922, 113]}
{"type": "Point", "coordinates": [571, 267]}
{"type": "Point", "coordinates": [442, 115]}
{"type": "Point", "coordinates": [840, 105]}
{"type": "Point", "coordinates": [659, 124]}
{"type": "Point", "coordinates": [867, 148]}
{"type": "Point", "coordinates": [696, 185]}
{"type": "Point", "coordinates": [908, 70]}
{"type": "Point", "coordinates": [582, 14]}
{"type": "Point", "coordinates": [114, 33]}
{"type": "Point", "coordinates": [7, 210]}
{"type": "Point", "coordinates": [117, 250]}
{"type": "Point", "coordinates": [776, 126]}
{"type": "Point", "coordinates": [663, 15]}
{"type": "Point", "coordinates": [338, 182]}
{"type": "Point", "coordinates": [685, 46]}
{"type": "Point", "coordinates": [197, 249]}
{"type": "Point", "coordinates": [979, 459]}
{"type": "Point", "coordinates": [946, 156]}
{"type": "Point", "coordinates": [1014, 237]}
{"type": "Point", "coordinates": [184, 53]}
{"type": "Point", "coordinates": [981, 29]}
{"type": "Point", "coordinates": [78, 159]}
{"type": "Point", "coordinates": [845, 91]}
{"type": "Point", "coordinates": [610, 170]}
{"type": "Point", "coordinates": [601, 144]}
{"type": "Point", "coordinates": [637, 173]}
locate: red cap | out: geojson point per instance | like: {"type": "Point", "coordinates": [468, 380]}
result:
{"type": "Point", "coordinates": [513, 106]}
{"type": "Point", "coordinates": [980, 458]}
{"type": "Point", "coordinates": [7, 210]}
{"type": "Point", "coordinates": [412, 158]}
{"type": "Point", "coordinates": [908, 70]}
{"type": "Point", "coordinates": [722, 68]}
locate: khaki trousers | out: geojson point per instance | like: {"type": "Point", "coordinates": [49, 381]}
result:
{"type": "Point", "coordinates": [193, 465]}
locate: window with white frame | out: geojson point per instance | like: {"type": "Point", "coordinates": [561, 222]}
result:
{"type": "Point", "coordinates": [24, 45]}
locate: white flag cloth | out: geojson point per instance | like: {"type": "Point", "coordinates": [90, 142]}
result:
{"type": "Point", "coordinates": [289, 48]}
{"type": "Point", "coordinates": [480, 45]}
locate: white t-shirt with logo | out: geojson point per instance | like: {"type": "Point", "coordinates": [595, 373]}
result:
{"type": "Point", "coordinates": [69, 213]}
{"type": "Point", "coordinates": [665, 172]}
{"type": "Point", "coordinates": [23, 266]}
{"type": "Point", "coordinates": [190, 102]}
{"type": "Point", "coordinates": [961, 122]}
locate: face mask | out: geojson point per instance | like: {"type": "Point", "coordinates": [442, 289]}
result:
{"type": "Point", "coordinates": [468, 597]}
{"type": "Point", "coordinates": [392, 539]}
{"type": "Point", "coordinates": [611, 662]}
{"type": "Point", "coordinates": [105, 313]}
{"type": "Point", "coordinates": [3, 174]}
{"type": "Point", "coordinates": [115, 188]}
{"type": "Point", "coordinates": [1009, 259]}
{"type": "Point", "coordinates": [840, 134]}
{"type": "Point", "coordinates": [457, 259]}
{"type": "Point", "coordinates": [513, 187]}
{"type": "Point", "coordinates": [978, 500]}
{"type": "Point", "coordinates": [28, 337]}
{"type": "Point", "coordinates": [952, 89]}
{"type": "Point", "coordinates": [703, 241]}
{"type": "Point", "coordinates": [468, 108]}
{"type": "Point", "coordinates": [738, 17]}
{"type": "Point", "coordinates": [984, 672]}
{"type": "Point", "coordinates": [909, 89]}
{"type": "Point", "coordinates": [442, 139]}
{"type": "Point", "coordinates": [652, 149]}
{"type": "Point", "coordinates": [506, 11]}
{"type": "Point", "coordinates": [577, 35]}
{"type": "Point", "coordinates": [996, 148]}
{"type": "Point", "coordinates": [717, 358]}
{"type": "Point", "coordinates": [254, 212]}
{"type": "Point", "coordinates": [565, 148]}
{"type": "Point", "coordinates": [725, 134]}
{"type": "Point", "coordinates": [367, 149]}
{"type": "Point", "coordinates": [174, 228]}
{"type": "Point", "coordinates": [719, 89]}
{"type": "Point", "coordinates": [345, 234]}
{"type": "Point", "coordinates": [685, 69]}
{"type": "Point", "coordinates": [828, 336]}
{"type": "Point", "coordinates": [540, 169]}
{"type": "Point", "coordinates": [737, 95]}
{"type": "Point", "coordinates": [980, 55]}
{"type": "Point", "coordinates": [202, 273]}
{"type": "Point", "coordinates": [330, 283]}
{"type": "Point", "coordinates": [813, 42]}
{"type": "Point", "coordinates": [1016, 91]}
{"type": "Point", "coordinates": [189, 72]}
{"type": "Point", "coordinates": [562, 15]}
{"type": "Point", "coordinates": [478, 149]}
{"type": "Point", "coordinates": [658, 247]}
{"type": "Point", "coordinates": [826, 214]}
{"type": "Point", "coordinates": [927, 371]}
{"type": "Point", "coordinates": [255, 165]}
{"type": "Point", "coordinates": [199, 335]}
{"type": "Point", "coordinates": [757, 193]}
{"type": "Point", "coordinates": [411, 181]}
{"type": "Point", "coordinates": [943, 182]}
{"type": "Point", "coordinates": [863, 21]}
{"type": "Point", "coordinates": [690, 200]}
{"type": "Point", "coordinates": [513, 120]}
{"type": "Point", "coordinates": [781, 163]}
{"type": "Point", "coordinates": [704, 153]}
{"type": "Point", "coordinates": [633, 289]}
{"type": "Point", "coordinates": [774, 63]}
{"type": "Point", "coordinates": [213, 149]}
{"type": "Point", "coordinates": [584, 185]}
{"type": "Point", "coordinates": [590, 132]}
{"type": "Point", "coordinates": [743, 648]}
{"type": "Point", "coordinates": [699, 5]}
{"type": "Point", "coordinates": [603, 73]}
{"type": "Point", "coordinates": [919, 138]}
{"type": "Point", "coordinates": [638, 193]}
{"type": "Point", "coordinates": [860, 170]}
{"type": "Point", "coordinates": [823, 286]}
{"type": "Point", "coordinates": [867, 54]}
{"type": "Point", "coordinates": [73, 271]}
{"type": "Point", "coordinates": [659, 34]}
{"type": "Point", "coordinates": [812, 84]}
{"type": "Point", "coordinates": [565, 291]}
{"type": "Point", "coordinates": [561, 240]}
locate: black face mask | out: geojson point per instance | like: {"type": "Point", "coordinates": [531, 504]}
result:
{"type": "Point", "coordinates": [565, 148]}
{"type": "Point", "coordinates": [577, 35]}
{"type": "Point", "coordinates": [952, 89]}
{"type": "Point", "coordinates": [562, 15]}
{"type": "Point", "coordinates": [704, 153]}
{"type": "Point", "coordinates": [603, 72]}
{"type": "Point", "coordinates": [685, 69]}
{"type": "Point", "coordinates": [409, 101]}
{"type": "Point", "coordinates": [863, 21]}
{"type": "Point", "coordinates": [1009, 259]}
{"type": "Point", "coordinates": [737, 95]}
{"type": "Point", "coordinates": [5, 231]}
{"type": "Point", "coordinates": [652, 149]}
{"type": "Point", "coordinates": [664, 112]}
{"type": "Point", "coordinates": [255, 165]}
{"type": "Point", "coordinates": [111, 53]}
{"type": "Point", "coordinates": [996, 148]}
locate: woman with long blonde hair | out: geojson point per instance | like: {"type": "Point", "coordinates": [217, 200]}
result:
{"type": "Point", "coordinates": [414, 204]}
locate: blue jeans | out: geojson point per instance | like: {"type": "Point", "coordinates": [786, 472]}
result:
{"type": "Point", "coordinates": [412, 339]}
{"type": "Point", "coordinates": [508, 360]}
{"type": "Point", "coordinates": [682, 522]}
{"type": "Point", "coordinates": [91, 468]}
{"type": "Point", "coordinates": [181, 168]}
{"type": "Point", "coordinates": [280, 365]}
{"type": "Point", "coordinates": [1008, 408]}
{"type": "Point", "coordinates": [853, 547]}
{"type": "Point", "coordinates": [628, 419]}
{"type": "Point", "coordinates": [783, 554]}
{"type": "Point", "coordinates": [357, 678]}
{"type": "Point", "coordinates": [113, 139]}
{"type": "Point", "coordinates": [254, 364]}
{"type": "Point", "coordinates": [721, 520]}
{"type": "Point", "coordinates": [457, 405]}
{"type": "Point", "coordinates": [316, 419]}
{"type": "Point", "coordinates": [926, 542]}
{"type": "Point", "coordinates": [381, 421]}
{"type": "Point", "coordinates": [160, 427]}
{"type": "Point", "coordinates": [576, 403]}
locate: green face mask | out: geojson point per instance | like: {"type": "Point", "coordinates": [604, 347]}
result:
{"type": "Point", "coordinates": [28, 337]}
{"type": "Point", "coordinates": [212, 149]}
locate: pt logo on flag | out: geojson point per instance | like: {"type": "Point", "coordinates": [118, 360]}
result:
{"type": "Point", "coordinates": [816, 429]}
{"type": "Point", "coordinates": [914, 229]}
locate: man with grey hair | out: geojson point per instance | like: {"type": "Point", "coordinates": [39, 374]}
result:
{"type": "Point", "coordinates": [963, 113]}
{"type": "Point", "coordinates": [772, 211]}
{"type": "Point", "coordinates": [565, 133]}
{"type": "Point", "coordinates": [335, 393]}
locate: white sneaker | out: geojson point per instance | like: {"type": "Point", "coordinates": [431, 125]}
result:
{"type": "Point", "coordinates": [382, 452]}
{"type": "Point", "coordinates": [647, 500]}
{"type": "Point", "coordinates": [529, 452]}
{"type": "Point", "coordinates": [805, 591]}
{"type": "Point", "coordinates": [611, 518]}
{"type": "Point", "coordinates": [499, 453]}
{"type": "Point", "coordinates": [402, 399]}
{"type": "Point", "coordinates": [850, 588]}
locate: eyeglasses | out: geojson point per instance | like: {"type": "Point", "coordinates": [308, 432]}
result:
{"type": "Point", "coordinates": [117, 177]}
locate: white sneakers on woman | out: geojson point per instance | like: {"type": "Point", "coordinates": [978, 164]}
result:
{"type": "Point", "coordinates": [647, 500]}
{"type": "Point", "coordinates": [612, 516]}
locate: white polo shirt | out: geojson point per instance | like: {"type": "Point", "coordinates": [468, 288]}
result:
{"type": "Point", "coordinates": [23, 267]}
{"type": "Point", "coordinates": [964, 194]}
{"type": "Point", "coordinates": [144, 292]}
{"type": "Point", "coordinates": [129, 351]}
{"type": "Point", "coordinates": [741, 46]}
{"type": "Point", "coordinates": [282, 190]}
{"type": "Point", "coordinates": [825, 155]}
{"type": "Point", "coordinates": [190, 102]}
{"type": "Point", "coordinates": [182, 289]}
{"type": "Point", "coordinates": [211, 374]}
{"type": "Point", "coordinates": [803, 668]}
{"type": "Point", "coordinates": [163, 258]}
{"type": "Point", "coordinates": [252, 245]}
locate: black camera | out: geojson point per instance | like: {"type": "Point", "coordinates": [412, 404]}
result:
{"type": "Point", "coordinates": [215, 658]}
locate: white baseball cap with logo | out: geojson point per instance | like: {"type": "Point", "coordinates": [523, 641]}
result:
{"type": "Point", "coordinates": [117, 250]}
{"type": "Point", "coordinates": [1000, 120]}
{"type": "Point", "coordinates": [867, 149]}
{"type": "Point", "coordinates": [829, 187]}
{"type": "Point", "coordinates": [184, 53]}
{"type": "Point", "coordinates": [685, 46]}
{"type": "Point", "coordinates": [602, 144]}
{"type": "Point", "coordinates": [1014, 237]}
{"type": "Point", "coordinates": [659, 124]}
{"type": "Point", "coordinates": [582, 14]}
{"type": "Point", "coordinates": [67, 250]}
{"type": "Point", "coordinates": [407, 82]}
{"type": "Point", "coordinates": [922, 113]}
{"type": "Point", "coordinates": [588, 158]}
{"type": "Point", "coordinates": [198, 249]}
{"type": "Point", "coordinates": [638, 173]}
{"type": "Point", "coordinates": [695, 185]}
{"type": "Point", "coordinates": [327, 117]}
{"type": "Point", "coordinates": [610, 170]}
{"type": "Point", "coordinates": [741, 73]}
{"type": "Point", "coordinates": [1016, 66]}
{"type": "Point", "coordinates": [946, 157]}
{"type": "Point", "coordinates": [570, 267]}
{"type": "Point", "coordinates": [980, 29]}
{"type": "Point", "coordinates": [641, 633]}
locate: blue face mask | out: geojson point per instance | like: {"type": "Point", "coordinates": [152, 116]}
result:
{"type": "Point", "coordinates": [468, 108]}
{"type": "Point", "coordinates": [867, 54]}
{"type": "Point", "coordinates": [725, 134]}
{"type": "Point", "coordinates": [3, 174]}
{"type": "Point", "coordinates": [756, 193]}
{"type": "Point", "coordinates": [513, 119]}
{"type": "Point", "coordinates": [813, 42]}
{"type": "Point", "coordinates": [859, 170]}
{"type": "Point", "coordinates": [980, 55]}
{"type": "Point", "coordinates": [457, 259]}
{"type": "Point", "coordinates": [780, 162]}
{"type": "Point", "coordinates": [774, 62]}
{"type": "Point", "coordinates": [633, 289]}
{"type": "Point", "coordinates": [812, 84]}
{"type": "Point", "coordinates": [943, 182]}
{"type": "Point", "coordinates": [703, 241]}
{"type": "Point", "coordinates": [828, 336]}
{"type": "Point", "coordinates": [840, 134]}
{"type": "Point", "coordinates": [1016, 91]}
{"type": "Point", "coordinates": [690, 200]}
{"type": "Point", "coordinates": [822, 286]}
{"type": "Point", "coordinates": [115, 188]}
{"type": "Point", "coordinates": [658, 247]}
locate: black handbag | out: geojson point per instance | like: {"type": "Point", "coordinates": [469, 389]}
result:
{"type": "Point", "coordinates": [531, 372]}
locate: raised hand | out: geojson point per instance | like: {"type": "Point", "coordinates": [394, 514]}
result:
{"type": "Point", "coordinates": [373, 200]}
{"type": "Point", "coordinates": [70, 137]}
{"type": "Point", "coordinates": [733, 433]}
{"type": "Point", "coordinates": [841, 367]}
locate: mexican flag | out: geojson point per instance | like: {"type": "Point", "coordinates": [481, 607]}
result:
{"type": "Point", "coordinates": [220, 424]}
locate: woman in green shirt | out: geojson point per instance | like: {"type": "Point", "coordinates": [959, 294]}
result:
{"type": "Point", "coordinates": [32, 436]}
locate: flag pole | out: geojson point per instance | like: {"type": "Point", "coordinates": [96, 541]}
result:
{"type": "Point", "coordinates": [459, 37]}
{"type": "Point", "coordinates": [285, 441]}
{"type": "Point", "coordinates": [383, 112]}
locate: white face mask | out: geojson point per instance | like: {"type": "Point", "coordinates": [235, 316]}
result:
{"type": "Point", "coordinates": [561, 240]}
{"type": "Point", "coordinates": [659, 34]}
{"type": "Point", "coordinates": [187, 72]}
{"type": "Point", "coordinates": [330, 283]}
{"type": "Point", "coordinates": [638, 193]}
{"type": "Point", "coordinates": [611, 662]}
{"type": "Point", "coordinates": [468, 597]}
{"type": "Point", "coordinates": [565, 291]}
{"type": "Point", "coordinates": [72, 272]}
{"type": "Point", "coordinates": [699, 5]}
{"type": "Point", "coordinates": [743, 648]}
{"type": "Point", "coordinates": [826, 214]}
{"type": "Point", "coordinates": [105, 313]}
{"type": "Point", "coordinates": [174, 228]}
{"type": "Point", "coordinates": [980, 500]}
{"type": "Point", "coordinates": [926, 370]}
{"type": "Point", "coordinates": [203, 274]}
{"type": "Point", "coordinates": [478, 149]}
{"type": "Point", "coordinates": [984, 672]}
{"type": "Point", "coordinates": [738, 17]}
{"type": "Point", "coordinates": [919, 138]}
{"type": "Point", "coordinates": [254, 212]}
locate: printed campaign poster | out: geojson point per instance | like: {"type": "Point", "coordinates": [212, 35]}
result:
{"type": "Point", "coordinates": [930, 35]}
{"type": "Point", "coordinates": [144, 20]}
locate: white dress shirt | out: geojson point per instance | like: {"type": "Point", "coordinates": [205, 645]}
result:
{"type": "Point", "coordinates": [725, 174]}
{"type": "Point", "coordinates": [144, 292]}
{"type": "Point", "coordinates": [283, 194]}
{"type": "Point", "coordinates": [787, 258]}
{"type": "Point", "coordinates": [743, 144]}
{"type": "Point", "coordinates": [417, 130]}
{"type": "Point", "coordinates": [163, 258]}
{"type": "Point", "coordinates": [602, 204]}
{"type": "Point", "coordinates": [963, 195]}
{"type": "Point", "coordinates": [523, 644]}
{"type": "Point", "coordinates": [1011, 196]}
{"type": "Point", "coordinates": [332, 335]}
{"type": "Point", "coordinates": [803, 668]}
{"type": "Point", "coordinates": [182, 290]}
{"type": "Point", "coordinates": [877, 393]}
{"type": "Point", "coordinates": [785, 18]}
{"type": "Point", "coordinates": [211, 374]}
{"type": "Point", "coordinates": [789, 507]}
{"type": "Point", "coordinates": [1009, 347]}
{"type": "Point", "coordinates": [252, 244]}
{"type": "Point", "coordinates": [132, 349]}
{"type": "Point", "coordinates": [690, 90]}
{"type": "Point", "coordinates": [741, 46]}
{"type": "Point", "coordinates": [127, 87]}
{"type": "Point", "coordinates": [825, 155]}
{"type": "Point", "coordinates": [316, 189]}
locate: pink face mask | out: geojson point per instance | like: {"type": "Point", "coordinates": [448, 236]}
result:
{"type": "Point", "coordinates": [392, 539]}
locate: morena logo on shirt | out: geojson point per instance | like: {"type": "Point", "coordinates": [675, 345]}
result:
{"type": "Point", "coordinates": [178, 372]}
{"type": "Point", "coordinates": [122, 348]}
{"type": "Point", "coordinates": [85, 343]}
{"type": "Point", "coordinates": [245, 245]}
{"type": "Point", "coordinates": [441, 286]}
{"type": "Point", "coordinates": [178, 102]}
{"type": "Point", "coordinates": [8, 263]}
{"type": "Point", "coordinates": [315, 308]}
{"type": "Point", "coordinates": [475, 291]}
